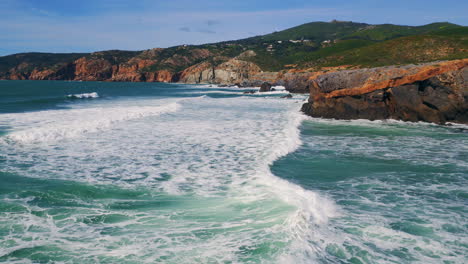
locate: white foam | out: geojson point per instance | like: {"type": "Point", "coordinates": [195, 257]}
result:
{"type": "Point", "coordinates": [385, 122]}
{"type": "Point", "coordinates": [60, 124]}
{"type": "Point", "coordinates": [456, 125]}
{"type": "Point", "coordinates": [279, 87]}
{"type": "Point", "coordinates": [416, 190]}
{"type": "Point", "coordinates": [236, 92]}
{"type": "Point", "coordinates": [216, 153]}
{"type": "Point", "coordinates": [272, 92]}
{"type": "Point", "coordinates": [84, 95]}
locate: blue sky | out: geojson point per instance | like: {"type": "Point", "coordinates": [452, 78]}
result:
{"type": "Point", "coordinates": [92, 25]}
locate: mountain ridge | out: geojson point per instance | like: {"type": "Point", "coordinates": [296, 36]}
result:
{"type": "Point", "coordinates": [312, 46]}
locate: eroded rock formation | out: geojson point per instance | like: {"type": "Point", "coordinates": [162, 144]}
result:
{"type": "Point", "coordinates": [433, 92]}
{"type": "Point", "coordinates": [265, 87]}
{"type": "Point", "coordinates": [232, 71]}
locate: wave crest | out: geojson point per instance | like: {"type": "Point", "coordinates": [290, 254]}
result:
{"type": "Point", "coordinates": [84, 95]}
{"type": "Point", "coordinates": [72, 123]}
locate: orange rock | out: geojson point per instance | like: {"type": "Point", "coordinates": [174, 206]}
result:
{"type": "Point", "coordinates": [93, 69]}
{"type": "Point", "coordinates": [41, 75]}
{"type": "Point", "coordinates": [394, 77]}
{"type": "Point", "coordinates": [432, 92]}
{"type": "Point", "coordinates": [159, 76]}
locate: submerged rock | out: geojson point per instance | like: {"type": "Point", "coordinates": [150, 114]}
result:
{"type": "Point", "coordinates": [265, 87]}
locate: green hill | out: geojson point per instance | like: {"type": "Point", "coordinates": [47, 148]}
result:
{"type": "Point", "coordinates": [354, 41]}
{"type": "Point", "coordinates": [316, 31]}
{"type": "Point", "coordinates": [388, 31]}
{"type": "Point", "coordinates": [451, 43]}
{"type": "Point", "coordinates": [37, 60]}
{"type": "Point", "coordinates": [316, 44]}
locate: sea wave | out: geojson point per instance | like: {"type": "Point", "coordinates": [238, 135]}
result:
{"type": "Point", "coordinates": [313, 209]}
{"type": "Point", "coordinates": [63, 124]}
{"type": "Point", "coordinates": [236, 92]}
{"type": "Point", "coordinates": [389, 123]}
{"type": "Point", "coordinates": [84, 95]}
{"type": "Point", "coordinates": [209, 165]}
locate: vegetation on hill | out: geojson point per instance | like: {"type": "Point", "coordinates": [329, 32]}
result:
{"type": "Point", "coordinates": [37, 60]}
{"type": "Point", "coordinates": [113, 56]}
{"type": "Point", "coordinates": [317, 44]}
{"type": "Point", "coordinates": [178, 58]}
{"type": "Point", "coordinates": [441, 45]}
{"type": "Point", "coordinates": [316, 31]}
{"type": "Point", "coordinates": [389, 31]}
{"type": "Point", "coordinates": [368, 46]}
{"type": "Point", "coordinates": [357, 44]}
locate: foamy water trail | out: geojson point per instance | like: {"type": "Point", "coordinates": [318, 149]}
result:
{"type": "Point", "coordinates": [62, 124]}
{"type": "Point", "coordinates": [169, 179]}
{"type": "Point", "coordinates": [312, 212]}
{"type": "Point", "coordinates": [398, 185]}
{"type": "Point", "coordinates": [210, 164]}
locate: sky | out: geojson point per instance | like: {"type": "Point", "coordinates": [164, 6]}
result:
{"type": "Point", "coordinates": [94, 25]}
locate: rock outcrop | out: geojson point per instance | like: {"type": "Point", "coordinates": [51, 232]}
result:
{"type": "Point", "coordinates": [199, 73]}
{"type": "Point", "coordinates": [433, 92]}
{"type": "Point", "coordinates": [232, 71]}
{"type": "Point", "coordinates": [159, 76]}
{"type": "Point", "coordinates": [93, 70]}
{"type": "Point", "coordinates": [265, 87]}
{"type": "Point", "coordinates": [297, 82]}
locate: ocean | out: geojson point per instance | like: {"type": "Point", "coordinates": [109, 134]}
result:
{"type": "Point", "coordinates": [97, 172]}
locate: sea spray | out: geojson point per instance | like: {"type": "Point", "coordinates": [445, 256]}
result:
{"type": "Point", "coordinates": [83, 95]}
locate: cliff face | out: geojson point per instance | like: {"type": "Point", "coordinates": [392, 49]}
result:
{"type": "Point", "coordinates": [198, 73]}
{"type": "Point", "coordinates": [298, 81]}
{"type": "Point", "coordinates": [93, 69]}
{"type": "Point", "coordinates": [156, 65]}
{"type": "Point", "coordinates": [292, 52]}
{"type": "Point", "coordinates": [234, 71]}
{"type": "Point", "coordinates": [130, 72]}
{"type": "Point", "coordinates": [231, 71]}
{"type": "Point", "coordinates": [433, 92]}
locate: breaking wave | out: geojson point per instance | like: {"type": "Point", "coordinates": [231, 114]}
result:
{"type": "Point", "coordinates": [62, 124]}
{"type": "Point", "coordinates": [83, 95]}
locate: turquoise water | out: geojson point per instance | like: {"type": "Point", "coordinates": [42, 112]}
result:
{"type": "Point", "coordinates": [165, 173]}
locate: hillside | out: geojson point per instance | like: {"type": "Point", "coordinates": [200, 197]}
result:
{"type": "Point", "coordinates": [440, 45]}
{"type": "Point", "coordinates": [313, 45]}
{"type": "Point", "coordinates": [37, 60]}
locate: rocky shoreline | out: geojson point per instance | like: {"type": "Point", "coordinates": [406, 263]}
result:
{"type": "Point", "coordinates": [435, 92]}
{"type": "Point", "coordinates": [432, 92]}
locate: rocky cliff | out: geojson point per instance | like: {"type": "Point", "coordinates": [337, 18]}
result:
{"type": "Point", "coordinates": [433, 92]}
{"type": "Point", "coordinates": [232, 71]}
{"type": "Point", "coordinates": [181, 65]}
{"type": "Point", "coordinates": [287, 57]}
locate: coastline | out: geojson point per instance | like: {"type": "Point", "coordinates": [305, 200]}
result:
{"type": "Point", "coordinates": [434, 92]}
{"type": "Point", "coordinates": [252, 178]}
